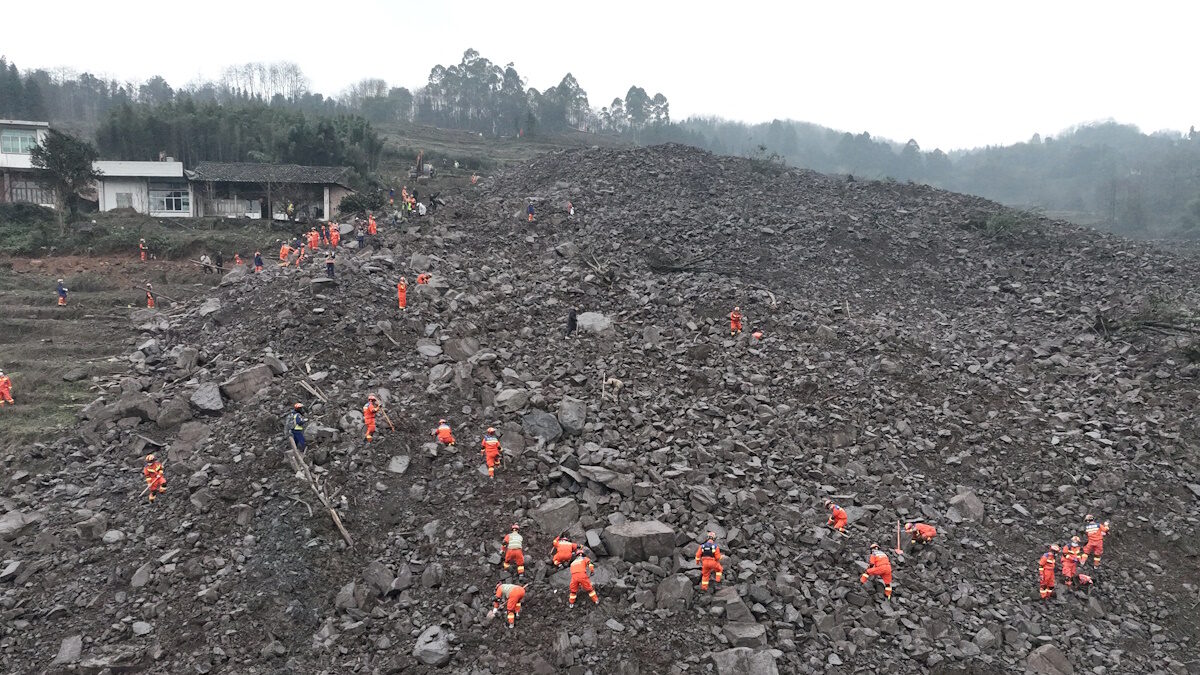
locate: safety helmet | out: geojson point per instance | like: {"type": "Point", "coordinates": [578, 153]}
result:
{"type": "Point", "coordinates": [149, 458]}
{"type": "Point", "coordinates": [60, 281]}
{"type": "Point", "coordinates": [298, 406]}
{"type": "Point", "coordinates": [1, 373]}
{"type": "Point", "coordinates": [491, 430]}
{"type": "Point", "coordinates": [737, 309]}
{"type": "Point", "coordinates": [874, 546]}
{"type": "Point", "coordinates": [371, 397]}
{"type": "Point", "coordinates": [1075, 539]}
{"type": "Point", "coordinates": [712, 535]}
{"type": "Point", "coordinates": [442, 421]}
{"type": "Point", "coordinates": [1055, 548]}
{"type": "Point", "coordinates": [1089, 517]}
{"type": "Point", "coordinates": [908, 527]}
{"type": "Point", "coordinates": [516, 526]}
{"type": "Point", "coordinates": [828, 503]}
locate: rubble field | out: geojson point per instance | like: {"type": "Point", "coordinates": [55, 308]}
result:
{"type": "Point", "coordinates": [923, 356]}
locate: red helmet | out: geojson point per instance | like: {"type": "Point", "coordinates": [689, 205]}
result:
{"type": "Point", "coordinates": [298, 406]}
{"type": "Point", "coordinates": [516, 526]}
{"type": "Point", "coordinates": [149, 458]}
{"type": "Point", "coordinates": [491, 430]}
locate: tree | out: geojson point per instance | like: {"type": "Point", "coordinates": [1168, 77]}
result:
{"type": "Point", "coordinates": [69, 163]}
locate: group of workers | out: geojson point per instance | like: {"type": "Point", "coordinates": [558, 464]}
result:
{"type": "Point", "coordinates": [879, 566]}
{"type": "Point", "coordinates": [1072, 556]}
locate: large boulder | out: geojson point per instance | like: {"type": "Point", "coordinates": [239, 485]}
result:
{"type": "Point", "coordinates": [433, 647]}
{"type": "Point", "coordinates": [173, 413]}
{"type": "Point", "coordinates": [674, 592]}
{"type": "Point", "coordinates": [966, 506]}
{"type": "Point", "coordinates": [209, 306]}
{"type": "Point", "coordinates": [1048, 660]}
{"type": "Point", "coordinates": [419, 262]}
{"type": "Point", "coordinates": [512, 400]}
{"type": "Point", "coordinates": [247, 383]}
{"type": "Point", "coordinates": [543, 425]}
{"type": "Point", "coordinates": [593, 322]}
{"type": "Point", "coordinates": [207, 398]}
{"type": "Point", "coordinates": [69, 650]}
{"type": "Point", "coordinates": [745, 634]}
{"type": "Point", "coordinates": [572, 414]}
{"type": "Point", "coordinates": [13, 523]}
{"type": "Point", "coordinates": [639, 540]}
{"type": "Point", "coordinates": [620, 482]}
{"type": "Point", "coordinates": [744, 661]}
{"type": "Point", "coordinates": [556, 515]}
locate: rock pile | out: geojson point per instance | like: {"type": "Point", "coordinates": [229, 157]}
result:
{"type": "Point", "coordinates": [915, 363]}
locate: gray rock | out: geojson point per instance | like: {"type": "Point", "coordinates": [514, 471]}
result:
{"type": "Point", "coordinates": [433, 647]}
{"type": "Point", "coordinates": [462, 349]}
{"type": "Point", "coordinates": [543, 425]}
{"type": "Point", "coordinates": [346, 597]}
{"type": "Point", "coordinates": [593, 322]}
{"type": "Point", "coordinates": [966, 506]}
{"type": "Point", "coordinates": [512, 400]}
{"type": "Point", "coordinates": [75, 375]}
{"type": "Point", "coordinates": [572, 415]}
{"type": "Point", "coordinates": [378, 577]}
{"type": "Point", "coordinates": [277, 366]}
{"type": "Point", "coordinates": [187, 358]}
{"type": "Point", "coordinates": [619, 482]}
{"type": "Point", "coordinates": [744, 661]}
{"type": "Point", "coordinates": [428, 348]}
{"type": "Point", "coordinates": [745, 634]}
{"type": "Point", "coordinates": [173, 413]}
{"type": "Point", "coordinates": [1048, 660]}
{"type": "Point", "coordinates": [735, 607]}
{"type": "Point", "coordinates": [11, 570]}
{"type": "Point", "coordinates": [638, 540]}
{"type": "Point", "coordinates": [141, 628]}
{"type": "Point", "coordinates": [13, 523]}
{"type": "Point", "coordinates": [113, 537]}
{"type": "Point", "coordinates": [209, 306]}
{"type": "Point", "coordinates": [419, 262]}
{"type": "Point", "coordinates": [69, 650]}
{"type": "Point", "coordinates": [141, 577]}
{"type": "Point", "coordinates": [674, 592]}
{"type": "Point", "coordinates": [556, 515]}
{"type": "Point", "coordinates": [398, 464]}
{"type": "Point", "coordinates": [441, 374]}
{"type": "Point", "coordinates": [247, 383]}
{"type": "Point", "coordinates": [207, 398]}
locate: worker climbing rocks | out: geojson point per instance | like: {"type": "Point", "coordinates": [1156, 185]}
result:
{"type": "Point", "coordinates": [443, 433]}
{"type": "Point", "coordinates": [878, 565]}
{"type": "Point", "coordinates": [314, 239]}
{"type": "Point", "coordinates": [474, 178]}
{"type": "Point", "coordinates": [570, 209]}
{"type": "Point", "coordinates": [1095, 540]}
{"type": "Point", "coordinates": [149, 295]}
{"type": "Point", "coordinates": [402, 292]}
{"type": "Point", "coordinates": [300, 256]}
{"type": "Point", "coordinates": [335, 234]}
{"type": "Point", "coordinates": [1070, 562]}
{"type": "Point", "coordinates": [837, 516]}
{"type": "Point", "coordinates": [285, 252]}
{"type": "Point", "coordinates": [563, 550]}
{"type": "Point", "coordinates": [423, 278]}
{"type": "Point", "coordinates": [529, 211]}
{"type": "Point", "coordinates": [1046, 572]}
{"type": "Point", "coordinates": [708, 556]}
{"type": "Point", "coordinates": [369, 411]}
{"type": "Point", "coordinates": [921, 533]}
{"type": "Point", "coordinates": [237, 258]}
{"type": "Point", "coordinates": [511, 595]}
{"type": "Point", "coordinates": [257, 262]}
{"type": "Point", "coordinates": [142, 249]}
{"type": "Point", "coordinates": [5, 390]}
{"type": "Point", "coordinates": [513, 553]}
{"type": "Point", "coordinates": [62, 294]}
{"type": "Point", "coordinates": [491, 451]}
{"type": "Point", "coordinates": [156, 481]}
{"type": "Point", "coordinates": [297, 424]}
{"type": "Point", "coordinates": [735, 321]}
{"type": "Point", "coordinates": [329, 259]}
{"type": "Point", "coordinates": [372, 228]}
{"type": "Point", "coordinates": [581, 569]}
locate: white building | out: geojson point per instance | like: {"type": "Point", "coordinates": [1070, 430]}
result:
{"type": "Point", "coordinates": [18, 178]}
{"type": "Point", "coordinates": [152, 188]}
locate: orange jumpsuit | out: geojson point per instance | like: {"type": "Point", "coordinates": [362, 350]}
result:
{"type": "Point", "coordinates": [142, 250]}
{"type": "Point", "coordinates": [423, 278]}
{"type": "Point", "coordinates": [335, 234]}
{"type": "Point", "coordinates": [580, 569]}
{"type": "Point", "coordinates": [878, 565]}
{"type": "Point", "coordinates": [155, 480]}
{"type": "Point", "coordinates": [1070, 561]}
{"type": "Point", "coordinates": [563, 550]}
{"type": "Point", "coordinates": [735, 322]}
{"type": "Point", "coordinates": [444, 435]}
{"type": "Point", "coordinates": [491, 454]}
{"type": "Point", "coordinates": [369, 411]}
{"type": "Point", "coordinates": [922, 533]}
{"type": "Point", "coordinates": [513, 554]}
{"type": "Point", "coordinates": [402, 294]}
{"type": "Point", "coordinates": [314, 240]}
{"type": "Point", "coordinates": [1046, 570]}
{"type": "Point", "coordinates": [708, 556]}
{"type": "Point", "coordinates": [149, 300]}
{"type": "Point", "coordinates": [372, 229]}
{"type": "Point", "coordinates": [837, 518]}
{"type": "Point", "coordinates": [284, 252]}
{"type": "Point", "coordinates": [512, 595]}
{"type": "Point", "coordinates": [5, 390]}
{"type": "Point", "coordinates": [1095, 542]}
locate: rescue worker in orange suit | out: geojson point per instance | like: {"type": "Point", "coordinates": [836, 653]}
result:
{"type": "Point", "coordinates": [474, 178]}
{"type": "Point", "coordinates": [511, 595]}
{"type": "Point", "coordinates": [878, 565]}
{"type": "Point", "coordinates": [708, 556]}
{"type": "Point", "coordinates": [335, 234]}
{"type": "Point", "coordinates": [62, 294]}
{"type": "Point", "coordinates": [563, 550]}
{"type": "Point", "coordinates": [257, 262]}
{"type": "Point", "coordinates": [1095, 540]}
{"type": "Point", "coordinates": [581, 569]}
{"type": "Point", "coordinates": [735, 321]}
{"type": "Point", "coordinates": [149, 295]}
{"type": "Point", "coordinates": [513, 551]}
{"type": "Point", "coordinates": [285, 252]}
{"type": "Point", "coordinates": [1070, 561]}
{"type": "Point", "coordinates": [237, 258]}
{"type": "Point", "coordinates": [529, 212]}
{"type": "Point", "coordinates": [837, 516]}
{"type": "Point", "coordinates": [921, 533]}
{"type": "Point", "coordinates": [402, 292]}
{"type": "Point", "coordinates": [491, 451]}
{"type": "Point", "coordinates": [142, 248]}
{"type": "Point", "coordinates": [369, 411]}
{"type": "Point", "coordinates": [156, 481]}
{"type": "Point", "coordinates": [443, 433]}
{"type": "Point", "coordinates": [323, 230]}
{"type": "Point", "coordinates": [314, 239]}
{"type": "Point", "coordinates": [1046, 572]}
{"type": "Point", "coordinates": [423, 278]}
{"type": "Point", "coordinates": [372, 228]}
{"type": "Point", "coordinates": [5, 390]}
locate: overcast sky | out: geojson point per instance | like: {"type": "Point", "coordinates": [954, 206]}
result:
{"type": "Point", "coordinates": [951, 74]}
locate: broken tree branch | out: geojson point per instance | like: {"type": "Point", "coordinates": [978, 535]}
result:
{"type": "Point", "coordinates": [319, 492]}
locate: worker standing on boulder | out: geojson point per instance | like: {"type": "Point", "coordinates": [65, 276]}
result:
{"type": "Point", "coordinates": [369, 411]}
{"type": "Point", "coordinates": [563, 550]}
{"type": "Point", "coordinates": [878, 565]}
{"type": "Point", "coordinates": [297, 423]}
{"type": "Point", "coordinates": [708, 556]}
{"type": "Point", "coordinates": [514, 553]}
{"type": "Point", "coordinates": [1070, 561]}
{"type": "Point", "coordinates": [581, 569]}
{"type": "Point", "coordinates": [149, 295]}
{"type": "Point", "coordinates": [402, 292]}
{"type": "Point", "coordinates": [921, 533]}
{"type": "Point", "coordinates": [62, 294]}
{"type": "Point", "coordinates": [142, 249]}
{"type": "Point", "coordinates": [1095, 540]}
{"type": "Point", "coordinates": [443, 433]}
{"type": "Point", "coordinates": [258, 264]}
{"type": "Point", "coordinates": [837, 516]}
{"type": "Point", "coordinates": [5, 390]}
{"type": "Point", "coordinates": [1046, 572]}
{"type": "Point", "coordinates": [156, 480]}
{"type": "Point", "coordinates": [335, 234]}
{"type": "Point", "coordinates": [511, 595]}
{"type": "Point", "coordinates": [735, 321]}
{"type": "Point", "coordinates": [491, 451]}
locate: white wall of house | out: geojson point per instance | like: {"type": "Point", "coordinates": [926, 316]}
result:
{"type": "Point", "coordinates": [117, 193]}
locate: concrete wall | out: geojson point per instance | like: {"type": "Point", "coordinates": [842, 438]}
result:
{"type": "Point", "coordinates": [108, 188]}
{"type": "Point", "coordinates": [336, 192]}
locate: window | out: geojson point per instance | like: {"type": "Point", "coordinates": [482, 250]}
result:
{"type": "Point", "coordinates": [124, 200]}
{"type": "Point", "coordinates": [17, 141]}
{"type": "Point", "coordinates": [29, 191]}
{"type": "Point", "coordinates": [169, 201]}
